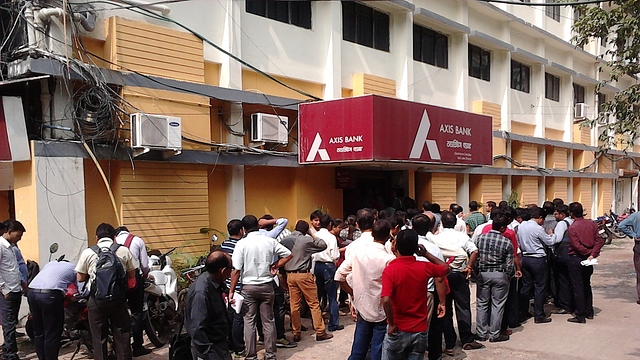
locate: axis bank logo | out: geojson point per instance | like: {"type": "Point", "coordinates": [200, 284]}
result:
{"type": "Point", "coordinates": [421, 140]}
{"type": "Point", "coordinates": [315, 150]}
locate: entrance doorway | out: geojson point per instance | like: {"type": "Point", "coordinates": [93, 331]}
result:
{"type": "Point", "coordinates": [376, 189]}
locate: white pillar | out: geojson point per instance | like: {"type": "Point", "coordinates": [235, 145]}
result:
{"type": "Point", "coordinates": [234, 178]}
{"type": "Point", "coordinates": [330, 26]}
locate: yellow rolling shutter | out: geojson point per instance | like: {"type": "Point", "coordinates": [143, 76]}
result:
{"type": "Point", "coordinates": [166, 204]}
{"type": "Point", "coordinates": [560, 189]}
{"type": "Point", "coordinates": [529, 190]}
{"type": "Point", "coordinates": [491, 188]}
{"type": "Point", "coordinates": [371, 84]}
{"type": "Point", "coordinates": [443, 189]}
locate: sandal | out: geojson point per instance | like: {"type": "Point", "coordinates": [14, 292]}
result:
{"type": "Point", "coordinates": [448, 352]}
{"type": "Point", "coordinates": [474, 345]}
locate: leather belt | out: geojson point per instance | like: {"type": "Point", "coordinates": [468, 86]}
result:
{"type": "Point", "coordinates": [46, 291]}
{"type": "Point", "coordinates": [297, 271]}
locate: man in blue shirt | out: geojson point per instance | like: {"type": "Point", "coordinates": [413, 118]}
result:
{"type": "Point", "coordinates": [631, 227]}
{"type": "Point", "coordinates": [46, 304]}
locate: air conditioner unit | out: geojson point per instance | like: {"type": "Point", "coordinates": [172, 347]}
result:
{"type": "Point", "coordinates": [604, 119]}
{"type": "Point", "coordinates": [580, 111]}
{"type": "Point", "coordinates": [158, 132]}
{"type": "Point", "coordinates": [269, 128]}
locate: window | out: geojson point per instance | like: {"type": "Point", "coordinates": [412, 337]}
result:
{"type": "Point", "coordinates": [365, 26]}
{"type": "Point", "coordinates": [520, 76]}
{"type": "Point", "coordinates": [551, 87]}
{"type": "Point", "coordinates": [552, 11]}
{"type": "Point", "coordinates": [479, 63]}
{"type": "Point", "coordinates": [430, 47]}
{"type": "Point", "coordinates": [602, 98]}
{"type": "Point", "coordinates": [296, 13]}
{"type": "Point", "coordinates": [578, 94]}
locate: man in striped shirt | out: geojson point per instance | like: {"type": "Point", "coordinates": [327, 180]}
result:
{"type": "Point", "coordinates": [495, 267]}
{"type": "Point", "coordinates": [236, 338]}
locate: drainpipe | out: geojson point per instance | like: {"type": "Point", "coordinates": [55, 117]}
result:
{"type": "Point", "coordinates": [31, 30]}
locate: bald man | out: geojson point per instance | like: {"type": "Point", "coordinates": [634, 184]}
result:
{"type": "Point", "coordinates": [205, 316]}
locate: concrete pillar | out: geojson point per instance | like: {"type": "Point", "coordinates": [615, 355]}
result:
{"type": "Point", "coordinates": [331, 27]}
{"type": "Point", "coordinates": [462, 196]}
{"type": "Point", "coordinates": [230, 69]}
{"type": "Point", "coordinates": [234, 178]}
{"type": "Point", "coordinates": [402, 40]}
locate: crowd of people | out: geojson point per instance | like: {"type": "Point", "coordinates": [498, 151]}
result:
{"type": "Point", "coordinates": [399, 274]}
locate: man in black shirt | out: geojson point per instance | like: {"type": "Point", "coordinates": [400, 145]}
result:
{"type": "Point", "coordinates": [205, 316]}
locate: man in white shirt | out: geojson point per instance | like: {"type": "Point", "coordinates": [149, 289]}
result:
{"type": "Point", "coordinates": [135, 298]}
{"type": "Point", "coordinates": [460, 224]}
{"type": "Point", "coordinates": [11, 285]}
{"type": "Point", "coordinates": [253, 261]}
{"type": "Point", "coordinates": [366, 266]}
{"type": "Point", "coordinates": [325, 270]}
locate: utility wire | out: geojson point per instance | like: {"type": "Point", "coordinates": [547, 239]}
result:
{"type": "Point", "coordinates": [575, 3]}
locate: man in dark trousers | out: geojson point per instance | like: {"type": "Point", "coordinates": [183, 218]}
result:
{"type": "Point", "coordinates": [586, 243]}
{"type": "Point", "coordinates": [46, 304]}
{"type": "Point", "coordinates": [205, 315]}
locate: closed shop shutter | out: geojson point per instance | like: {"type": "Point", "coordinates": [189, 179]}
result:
{"type": "Point", "coordinates": [529, 190]}
{"type": "Point", "coordinates": [443, 189]}
{"type": "Point", "coordinates": [166, 205]}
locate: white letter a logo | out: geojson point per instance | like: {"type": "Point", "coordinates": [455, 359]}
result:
{"type": "Point", "coordinates": [315, 150]}
{"type": "Point", "coordinates": [421, 140]}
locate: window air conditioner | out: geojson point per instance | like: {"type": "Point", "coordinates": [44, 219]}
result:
{"type": "Point", "coordinates": [604, 120]}
{"type": "Point", "coordinates": [158, 132]}
{"type": "Point", "coordinates": [580, 111]}
{"type": "Point", "coordinates": [269, 128]}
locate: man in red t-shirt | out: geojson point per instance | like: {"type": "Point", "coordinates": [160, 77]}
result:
{"type": "Point", "coordinates": [404, 298]}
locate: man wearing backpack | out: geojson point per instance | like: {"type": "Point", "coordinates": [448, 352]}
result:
{"type": "Point", "coordinates": [135, 298]}
{"type": "Point", "coordinates": [110, 271]}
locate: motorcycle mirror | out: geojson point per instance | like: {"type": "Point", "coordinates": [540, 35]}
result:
{"type": "Point", "coordinates": [214, 238]}
{"type": "Point", "coordinates": [53, 248]}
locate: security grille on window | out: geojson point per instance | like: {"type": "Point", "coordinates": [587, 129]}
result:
{"type": "Point", "coordinates": [479, 63]}
{"type": "Point", "coordinates": [552, 11]}
{"type": "Point", "coordinates": [365, 26]}
{"type": "Point", "coordinates": [296, 13]}
{"type": "Point", "coordinates": [430, 47]}
{"type": "Point", "coordinates": [551, 87]}
{"type": "Point", "coordinates": [520, 74]}
{"type": "Point", "coordinates": [578, 94]}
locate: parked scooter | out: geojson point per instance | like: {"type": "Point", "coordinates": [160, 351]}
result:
{"type": "Point", "coordinates": [161, 302]}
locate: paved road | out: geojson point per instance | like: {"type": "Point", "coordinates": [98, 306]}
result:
{"type": "Point", "coordinates": [613, 334]}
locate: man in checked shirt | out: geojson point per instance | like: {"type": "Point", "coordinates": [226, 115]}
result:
{"type": "Point", "coordinates": [495, 268]}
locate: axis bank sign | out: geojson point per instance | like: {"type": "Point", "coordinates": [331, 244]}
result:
{"type": "Point", "coordinates": [376, 128]}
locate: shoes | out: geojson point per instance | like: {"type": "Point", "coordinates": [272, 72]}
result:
{"type": "Point", "coordinates": [284, 343]}
{"type": "Point", "coordinates": [474, 345]}
{"type": "Point", "coordinates": [500, 338]}
{"type": "Point", "coordinates": [449, 352]}
{"type": "Point", "coordinates": [542, 321]}
{"type": "Point", "coordinates": [506, 332]}
{"type": "Point", "coordinates": [297, 338]}
{"type": "Point", "coordinates": [303, 328]}
{"type": "Point", "coordinates": [513, 326]}
{"type": "Point", "coordinates": [240, 354]}
{"type": "Point", "coordinates": [563, 312]}
{"type": "Point", "coordinates": [577, 321]}
{"type": "Point", "coordinates": [141, 351]}
{"type": "Point", "coordinates": [336, 328]}
{"type": "Point", "coordinates": [590, 316]}
{"type": "Point", "coordinates": [638, 301]}
{"type": "Point", "coordinates": [342, 313]}
{"type": "Point", "coordinates": [480, 338]}
{"type": "Point", "coordinates": [324, 336]}
{"type": "Point", "coordinates": [260, 341]}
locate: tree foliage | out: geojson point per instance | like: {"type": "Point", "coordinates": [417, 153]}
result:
{"type": "Point", "coordinates": [617, 21]}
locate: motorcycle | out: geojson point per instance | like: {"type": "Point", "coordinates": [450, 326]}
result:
{"type": "Point", "coordinates": [613, 225]}
{"type": "Point", "coordinates": [161, 299]}
{"type": "Point", "coordinates": [608, 228]}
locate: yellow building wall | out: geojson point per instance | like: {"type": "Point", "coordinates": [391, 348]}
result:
{"type": "Point", "coordinates": [493, 110]}
{"type": "Point", "coordinates": [4, 205]}
{"type": "Point", "coordinates": [582, 194]}
{"type": "Point", "coordinates": [556, 188]}
{"type": "Point", "coordinates": [605, 196]}
{"type": "Point", "coordinates": [96, 193]}
{"type": "Point", "coordinates": [371, 84]}
{"type": "Point", "coordinates": [522, 128]}
{"type": "Point", "coordinates": [582, 159]}
{"type": "Point", "coordinates": [218, 218]}
{"type": "Point", "coordinates": [26, 206]}
{"type": "Point", "coordinates": [553, 134]}
{"type": "Point", "coordinates": [212, 73]}
{"type": "Point", "coordinates": [252, 81]}
{"type": "Point", "coordinates": [529, 190]}
{"type": "Point", "coordinates": [154, 50]}
{"type": "Point", "coordinates": [439, 188]}
{"type": "Point", "coordinates": [556, 158]}
{"type": "Point", "coordinates": [193, 109]}
{"type": "Point", "coordinates": [314, 187]}
{"type": "Point", "coordinates": [270, 191]}
{"type": "Point", "coordinates": [526, 153]}
{"type": "Point", "coordinates": [483, 188]}
{"type": "Point", "coordinates": [167, 204]}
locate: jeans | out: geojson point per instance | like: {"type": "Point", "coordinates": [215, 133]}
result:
{"type": "Point", "coordinates": [460, 295]}
{"type": "Point", "coordinates": [135, 301]}
{"type": "Point", "coordinates": [636, 264]}
{"type": "Point", "coordinates": [9, 308]}
{"type": "Point", "coordinates": [435, 331]}
{"type": "Point", "coordinates": [325, 273]}
{"type": "Point", "coordinates": [581, 284]}
{"type": "Point", "coordinates": [404, 345]}
{"type": "Point", "coordinates": [368, 334]}
{"type": "Point", "coordinates": [258, 299]}
{"type": "Point", "coordinates": [563, 286]}
{"type": "Point", "coordinates": [236, 336]}
{"type": "Point", "coordinates": [491, 294]}
{"type": "Point", "coordinates": [47, 311]}
{"type": "Point", "coordinates": [534, 282]}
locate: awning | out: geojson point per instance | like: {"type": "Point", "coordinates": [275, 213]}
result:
{"type": "Point", "coordinates": [374, 128]}
{"type": "Point", "coordinates": [14, 143]}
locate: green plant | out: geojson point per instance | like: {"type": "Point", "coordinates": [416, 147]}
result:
{"type": "Point", "coordinates": [514, 199]}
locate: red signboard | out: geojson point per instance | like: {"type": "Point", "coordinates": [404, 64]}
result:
{"type": "Point", "coordinates": [376, 128]}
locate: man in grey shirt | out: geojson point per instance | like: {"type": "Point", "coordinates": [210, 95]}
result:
{"type": "Point", "coordinates": [301, 281]}
{"type": "Point", "coordinates": [535, 271]}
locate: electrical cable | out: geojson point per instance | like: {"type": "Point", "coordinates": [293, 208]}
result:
{"type": "Point", "coordinates": [574, 3]}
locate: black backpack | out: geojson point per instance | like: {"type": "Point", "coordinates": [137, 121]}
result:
{"type": "Point", "coordinates": [109, 286]}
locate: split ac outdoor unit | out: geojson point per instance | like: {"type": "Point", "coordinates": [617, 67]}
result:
{"type": "Point", "coordinates": [604, 120]}
{"type": "Point", "coordinates": [580, 111]}
{"type": "Point", "coordinates": [269, 128]}
{"type": "Point", "coordinates": [158, 132]}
